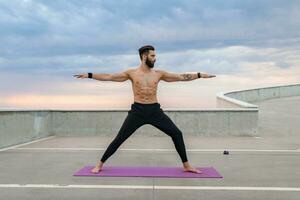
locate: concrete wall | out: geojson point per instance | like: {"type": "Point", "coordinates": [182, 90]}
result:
{"type": "Point", "coordinates": [23, 126]}
{"type": "Point", "coordinates": [193, 122]}
{"type": "Point", "coordinates": [242, 98]}
{"type": "Point", "coordinates": [235, 118]}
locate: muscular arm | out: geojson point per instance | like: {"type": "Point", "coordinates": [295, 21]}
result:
{"type": "Point", "coordinates": [118, 77]}
{"type": "Point", "coordinates": [172, 77]}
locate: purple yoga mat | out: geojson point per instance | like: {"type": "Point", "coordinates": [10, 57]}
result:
{"type": "Point", "coordinates": [142, 171]}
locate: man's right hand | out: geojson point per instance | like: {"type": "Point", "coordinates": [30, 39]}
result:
{"type": "Point", "coordinates": [81, 75]}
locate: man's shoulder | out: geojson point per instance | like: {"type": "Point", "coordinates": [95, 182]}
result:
{"type": "Point", "coordinates": [129, 70]}
{"type": "Point", "coordinates": [160, 71]}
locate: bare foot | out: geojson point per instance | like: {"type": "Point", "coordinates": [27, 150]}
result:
{"type": "Point", "coordinates": [96, 169]}
{"type": "Point", "coordinates": [191, 169]}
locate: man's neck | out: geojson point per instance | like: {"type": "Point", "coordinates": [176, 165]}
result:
{"type": "Point", "coordinates": [145, 68]}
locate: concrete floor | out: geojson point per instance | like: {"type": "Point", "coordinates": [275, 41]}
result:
{"type": "Point", "coordinates": [265, 167]}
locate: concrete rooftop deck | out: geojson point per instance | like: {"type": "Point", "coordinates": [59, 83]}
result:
{"type": "Point", "coordinates": [265, 167]}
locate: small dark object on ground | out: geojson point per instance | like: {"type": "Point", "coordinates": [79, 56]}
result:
{"type": "Point", "coordinates": [226, 152]}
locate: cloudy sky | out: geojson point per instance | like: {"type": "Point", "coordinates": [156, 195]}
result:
{"type": "Point", "coordinates": [245, 43]}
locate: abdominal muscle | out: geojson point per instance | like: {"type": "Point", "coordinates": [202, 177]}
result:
{"type": "Point", "coordinates": [145, 87]}
{"type": "Point", "coordinates": [145, 95]}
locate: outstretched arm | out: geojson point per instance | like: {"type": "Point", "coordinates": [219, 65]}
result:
{"type": "Point", "coordinates": [172, 77]}
{"type": "Point", "coordinates": [118, 77]}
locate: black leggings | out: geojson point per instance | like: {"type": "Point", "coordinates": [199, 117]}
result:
{"type": "Point", "coordinates": [141, 114]}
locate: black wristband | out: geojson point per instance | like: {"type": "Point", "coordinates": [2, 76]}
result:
{"type": "Point", "coordinates": [90, 75]}
{"type": "Point", "coordinates": [199, 75]}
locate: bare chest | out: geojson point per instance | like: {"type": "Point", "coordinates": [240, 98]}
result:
{"type": "Point", "coordinates": [145, 80]}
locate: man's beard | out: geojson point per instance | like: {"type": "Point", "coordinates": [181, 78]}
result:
{"type": "Point", "coordinates": [149, 63]}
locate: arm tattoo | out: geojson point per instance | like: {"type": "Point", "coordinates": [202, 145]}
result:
{"type": "Point", "coordinates": [187, 76]}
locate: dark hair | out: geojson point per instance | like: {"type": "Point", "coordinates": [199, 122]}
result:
{"type": "Point", "coordinates": [145, 49]}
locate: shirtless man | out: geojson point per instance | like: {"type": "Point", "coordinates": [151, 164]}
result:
{"type": "Point", "coordinates": [146, 109]}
